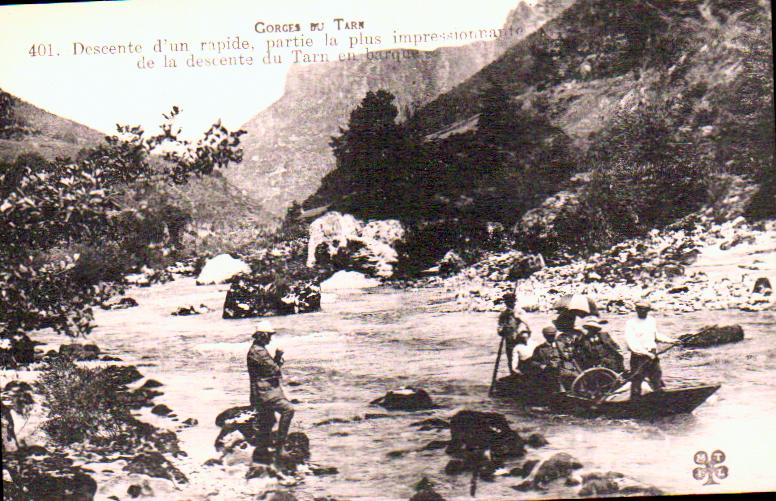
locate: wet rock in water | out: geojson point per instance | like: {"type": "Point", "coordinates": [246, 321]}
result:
{"type": "Point", "coordinates": [762, 286]}
{"type": "Point", "coordinates": [431, 424]}
{"type": "Point", "coordinates": [477, 430]}
{"type": "Point", "coordinates": [119, 303]}
{"type": "Point", "coordinates": [713, 335]}
{"type": "Point", "coordinates": [151, 383]}
{"type": "Point", "coordinates": [456, 466]}
{"type": "Point", "coordinates": [190, 422]}
{"type": "Point", "coordinates": [80, 352]}
{"type": "Point", "coordinates": [142, 397]}
{"type": "Point", "coordinates": [213, 462]}
{"type": "Point", "coordinates": [297, 448]}
{"type": "Point", "coordinates": [221, 269]}
{"type": "Point", "coordinates": [156, 465]}
{"type": "Point", "coordinates": [451, 264]}
{"type": "Point", "coordinates": [277, 495]}
{"type": "Point", "coordinates": [261, 471]}
{"type": "Point", "coordinates": [573, 480]}
{"type": "Point", "coordinates": [597, 475]}
{"type": "Point", "coordinates": [134, 491]}
{"type": "Point", "coordinates": [320, 471]}
{"type": "Point", "coordinates": [599, 487]}
{"type": "Point", "coordinates": [405, 399]}
{"type": "Point", "coordinates": [269, 294]}
{"type": "Point", "coordinates": [185, 311]}
{"type": "Point", "coordinates": [524, 470]}
{"type": "Point", "coordinates": [121, 375]}
{"type": "Point", "coordinates": [424, 491]}
{"type": "Point", "coordinates": [524, 486]}
{"type": "Point", "coordinates": [560, 465]}
{"type": "Point", "coordinates": [536, 440]}
{"type": "Point", "coordinates": [148, 276]}
{"type": "Point", "coordinates": [435, 445]}
{"type": "Point", "coordinates": [161, 410]}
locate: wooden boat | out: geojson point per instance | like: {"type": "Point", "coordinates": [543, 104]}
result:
{"type": "Point", "coordinates": [655, 404]}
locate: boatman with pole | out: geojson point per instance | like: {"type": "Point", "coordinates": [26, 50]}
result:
{"type": "Point", "coordinates": [267, 396]}
{"type": "Point", "coordinates": [511, 327]}
{"type": "Point", "coordinates": [641, 335]}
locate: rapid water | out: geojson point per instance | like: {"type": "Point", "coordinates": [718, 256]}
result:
{"type": "Point", "coordinates": [364, 343]}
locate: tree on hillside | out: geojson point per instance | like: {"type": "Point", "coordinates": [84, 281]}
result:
{"type": "Point", "coordinates": [369, 150]}
{"type": "Point", "coordinates": [50, 209]}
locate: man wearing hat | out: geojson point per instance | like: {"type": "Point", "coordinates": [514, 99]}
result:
{"type": "Point", "coordinates": [512, 328]}
{"type": "Point", "coordinates": [550, 364]}
{"type": "Point", "coordinates": [267, 396]}
{"type": "Point", "coordinates": [596, 348]}
{"type": "Point", "coordinates": [642, 336]}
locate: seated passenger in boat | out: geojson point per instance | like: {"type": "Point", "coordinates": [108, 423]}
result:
{"type": "Point", "coordinates": [550, 365]}
{"type": "Point", "coordinates": [596, 348]}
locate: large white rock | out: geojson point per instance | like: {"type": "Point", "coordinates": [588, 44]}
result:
{"type": "Point", "coordinates": [333, 229]}
{"type": "Point", "coordinates": [348, 280]}
{"type": "Point", "coordinates": [374, 241]}
{"type": "Point", "coordinates": [220, 269]}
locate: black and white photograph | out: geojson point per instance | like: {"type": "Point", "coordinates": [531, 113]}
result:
{"type": "Point", "coordinates": [373, 250]}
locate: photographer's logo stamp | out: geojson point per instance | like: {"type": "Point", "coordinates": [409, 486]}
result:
{"type": "Point", "coordinates": [711, 468]}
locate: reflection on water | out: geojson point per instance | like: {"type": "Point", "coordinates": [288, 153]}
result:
{"type": "Point", "coordinates": [366, 343]}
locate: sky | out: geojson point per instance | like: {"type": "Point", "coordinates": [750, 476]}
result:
{"type": "Point", "coordinates": [42, 60]}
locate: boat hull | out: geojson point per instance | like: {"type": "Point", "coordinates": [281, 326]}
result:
{"type": "Point", "coordinates": [655, 404]}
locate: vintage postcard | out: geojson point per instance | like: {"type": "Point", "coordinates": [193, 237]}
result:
{"type": "Point", "coordinates": [514, 249]}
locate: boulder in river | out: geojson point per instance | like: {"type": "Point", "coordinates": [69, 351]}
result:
{"type": "Point", "coordinates": [117, 303]}
{"type": "Point", "coordinates": [405, 399]}
{"type": "Point", "coordinates": [221, 269]}
{"type": "Point", "coordinates": [475, 430]}
{"type": "Point", "coordinates": [80, 352]}
{"type": "Point", "coordinates": [560, 465]}
{"type": "Point", "coordinates": [713, 335]}
{"type": "Point", "coordinates": [156, 465]}
{"type": "Point", "coordinates": [451, 263]}
{"type": "Point", "coordinates": [762, 286]}
{"type": "Point", "coordinates": [269, 294]}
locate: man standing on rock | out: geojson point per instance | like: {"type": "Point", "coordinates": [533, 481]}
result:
{"type": "Point", "coordinates": [642, 336]}
{"type": "Point", "coordinates": [512, 328]}
{"type": "Point", "coordinates": [266, 394]}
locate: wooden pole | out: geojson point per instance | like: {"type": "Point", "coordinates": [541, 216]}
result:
{"type": "Point", "coordinates": [495, 369]}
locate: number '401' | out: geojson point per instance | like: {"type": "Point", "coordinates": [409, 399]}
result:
{"type": "Point", "coordinates": [41, 49]}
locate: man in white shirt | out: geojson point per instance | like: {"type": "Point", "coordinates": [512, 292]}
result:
{"type": "Point", "coordinates": [641, 335]}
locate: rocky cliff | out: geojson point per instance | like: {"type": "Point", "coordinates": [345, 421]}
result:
{"type": "Point", "coordinates": [287, 146]}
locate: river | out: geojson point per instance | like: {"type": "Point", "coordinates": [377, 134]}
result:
{"type": "Point", "coordinates": [364, 343]}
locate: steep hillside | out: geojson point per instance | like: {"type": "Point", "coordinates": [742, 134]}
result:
{"type": "Point", "coordinates": [600, 59]}
{"type": "Point", "coordinates": [287, 146]}
{"type": "Point", "coordinates": [45, 133]}
{"type": "Point", "coordinates": [651, 98]}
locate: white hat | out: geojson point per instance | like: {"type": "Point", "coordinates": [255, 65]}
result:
{"type": "Point", "coordinates": [264, 326]}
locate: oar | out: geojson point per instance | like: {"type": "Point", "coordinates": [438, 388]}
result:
{"type": "Point", "coordinates": [633, 374]}
{"type": "Point", "coordinates": [495, 369]}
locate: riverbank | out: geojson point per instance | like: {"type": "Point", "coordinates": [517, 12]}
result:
{"type": "Point", "coordinates": [696, 265]}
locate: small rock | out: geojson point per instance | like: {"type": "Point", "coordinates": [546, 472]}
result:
{"type": "Point", "coordinates": [119, 303]}
{"type": "Point", "coordinates": [405, 399]}
{"type": "Point", "coordinates": [431, 424]}
{"type": "Point", "coordinates": [324, 470]}
{"type": "Point", "coordinates": [455, 467]}
{"type": "Point", "coordinates": [536, 440]}
{"type": "Point", "coordinates": [80, 352]}
{"type": "Point", "coordinates": [435, 445]}
{"type": "Point", "coordinates": [134, 491]}
{"type": "Point", "coordinates": [213, 462]}
{"type": "Point", "coordinates": [161, 410]}
{"type": "Point", "coordinates": [524, 486]}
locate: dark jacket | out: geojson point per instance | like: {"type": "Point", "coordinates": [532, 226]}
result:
{"type": "Point", "coordinates": [263, 371]}
{"type": "Point", "coordinates": [598, 349]}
